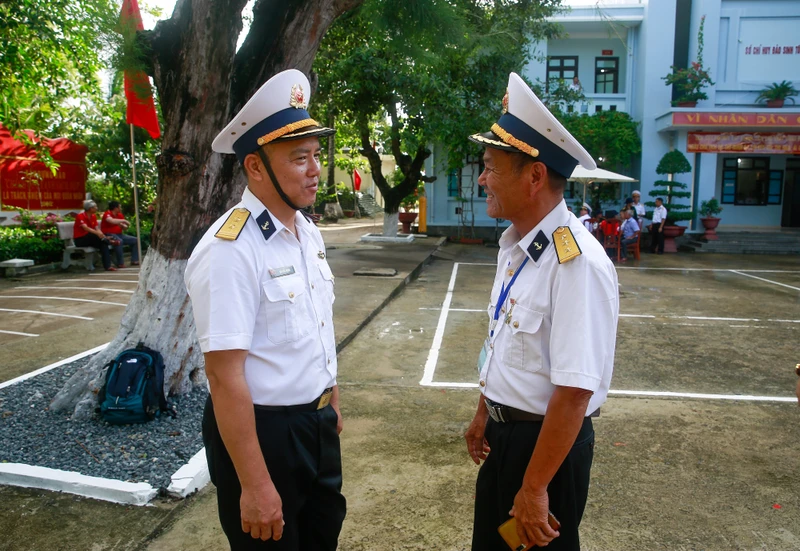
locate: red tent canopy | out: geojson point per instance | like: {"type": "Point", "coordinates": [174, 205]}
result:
{"type": "Point", "coordinates": [20, 189]}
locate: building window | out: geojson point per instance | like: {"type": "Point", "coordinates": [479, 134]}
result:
{"type": "Point", "coordinates": [452, 183]}
{"type": "Point", "coordinates": [561, 67]}
{"type": "Point", "coordinates": [749, 181]}
{"type": "Point", "coordinates": [606, 73]}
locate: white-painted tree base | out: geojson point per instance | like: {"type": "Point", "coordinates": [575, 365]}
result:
{"type": "Point", "coordinates": [390, 222]}
{"type": "Point", "coordinates": [43, 478]}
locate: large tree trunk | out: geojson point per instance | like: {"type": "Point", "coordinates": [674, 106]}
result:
{"type": "Point", "coordinates": [202, 81]}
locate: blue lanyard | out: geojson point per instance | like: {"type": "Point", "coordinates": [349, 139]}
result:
{"type": "Point", "coordinates": [504, 294]}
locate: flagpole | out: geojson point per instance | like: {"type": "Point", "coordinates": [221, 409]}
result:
{"type": "Point", "coordinates": [136, 199]}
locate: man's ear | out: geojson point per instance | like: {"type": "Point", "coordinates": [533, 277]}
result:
{"type": "Point", "coordinates": [537, 173]}
{"type": "Point", "coordinates": [252, 167]}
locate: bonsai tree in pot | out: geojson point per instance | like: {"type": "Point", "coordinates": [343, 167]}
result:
{"type": "Point", "coordinates": [408, 204]}
{"type": "Point", "coordinates": [688, 83]}
{"type": "Point", "coordinates": [708, 211]}
{"type": "Point", "coordinates": [672, 163]}
{"type": "Point", "coordinates": [776, 94]}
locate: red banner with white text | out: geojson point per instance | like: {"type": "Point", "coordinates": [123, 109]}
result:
{"type": "Point", "coordinates": [777, 143]}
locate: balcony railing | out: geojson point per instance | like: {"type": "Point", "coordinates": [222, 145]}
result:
{"type": "Point", "coordinates": [595, 103]}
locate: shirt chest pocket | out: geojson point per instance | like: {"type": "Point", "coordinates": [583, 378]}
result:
{"type": "Point", "coordinates": [327, 282]}
{"type": "Point", "coordinates": [286, 309]}
{"type": "Point", "coordinates": [523, 349]}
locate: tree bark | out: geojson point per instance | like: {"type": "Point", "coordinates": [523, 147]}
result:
{"type": "Point", "coordinates": [202, 81]}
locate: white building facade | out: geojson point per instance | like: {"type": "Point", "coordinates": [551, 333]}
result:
{"type": "Point", "coordinates": [743, 153]}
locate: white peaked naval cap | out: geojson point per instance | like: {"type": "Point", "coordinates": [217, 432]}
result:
{"type": "Point", "coordinates": [276, 112]}
{"type": "Point", "coordinates": [528, 126]}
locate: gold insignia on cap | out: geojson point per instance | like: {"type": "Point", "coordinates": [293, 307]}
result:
{"type": "Point", "coordinates": [233, 226]}
{"type": "Point", "coordinates": [505, 102]}
{"type": "Point", "coordinates": [514, 142]}
{"type": "Point", "coordinates": [298, 98]}
{"type": "Point", "coordinates": [566, 246]}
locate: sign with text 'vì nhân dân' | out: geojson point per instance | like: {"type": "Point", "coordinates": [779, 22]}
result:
{"type": "Point", "coordinates": [767, 143]}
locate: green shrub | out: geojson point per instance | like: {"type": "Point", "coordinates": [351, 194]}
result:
{"type": "Point", "coordinates": [33, 248]}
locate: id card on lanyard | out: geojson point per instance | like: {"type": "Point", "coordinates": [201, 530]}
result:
{"type": "Point", "coordinates": [504, 292]}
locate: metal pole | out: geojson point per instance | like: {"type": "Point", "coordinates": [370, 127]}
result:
{"type": "Point", "coordinates": [136, 199]}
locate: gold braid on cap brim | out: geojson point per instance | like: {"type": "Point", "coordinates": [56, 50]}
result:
{"type": "Point", "coordinates": [512, 141]}
{"type": "Point", "coordinates": [275, 134]}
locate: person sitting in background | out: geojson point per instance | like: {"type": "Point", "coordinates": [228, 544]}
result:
{"type": "Point", "coordinates": [627, 232]}
{"type": "Point", "coordinates": [610, 226]}
{"type": "Point", "coordinates": [112, 224]}
{"type": "Point", "coordinates": [86, 233]}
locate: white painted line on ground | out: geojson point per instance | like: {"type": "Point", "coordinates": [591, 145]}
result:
{"type": "Point", "coordinates": [63, 298]}
{"type": "Point", "coordinates": [53, 366]}
{"type": "Point", "coordinates": [433, 354]}
{"type": "Point", "coordinates": [30, 476]}
{"type": "Point", "coordinates": [456, 309]}
{"type": "Point", "coordinates": [477, 264]}
{"type": "Point", "coordinates": [77, 289]}
{"type": "Point", "coordinates": [734, 397]}
{"type": "Point", "coordinates": [45, 313]}
{"type": "Point", "coordinates": [658, 394]}
{"type": "Point", "coordinates": [762, 279]}
{"type": "Point", "coordinates": [636, 316]}
{"type": "Point", "coordinates": [104, 280]}
{"type": "Point", "coordinates": [349, 227]}
{"type": "Point", "coordinates": [190, 477]}
{"type": "Point", "coordinates": [708, 270]}
{"type": "Point", "coordinates": [125, 273]}
{"type": "Point", "coordinates": [18, 333]}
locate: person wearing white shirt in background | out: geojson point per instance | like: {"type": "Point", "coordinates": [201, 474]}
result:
{"type": "Point", "coordinates": [586, 216]}
{"type": "Point", "coordinates": [262, 297]}
{"type": "Point", "coordinates": [546, 363]}
{"type": "Point", "coordinates": [639, 208]}
{"type": "Point", "coordinates": [657, 227]}
{"type": "Point", "coordinates": [627, 233]}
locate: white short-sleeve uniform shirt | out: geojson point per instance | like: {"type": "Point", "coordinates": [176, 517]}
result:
{"type": "Point", "coordinates": [270, 293]}
{"type": "Point", "coordinates": [558, 325]}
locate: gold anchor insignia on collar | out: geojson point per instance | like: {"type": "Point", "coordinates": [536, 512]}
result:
{"type": "Point", "coordinates": [233, 225]}
{"type": "Point", "coordinates": [537, 245]}
{"type": "Point", "coordinates": [566, 246]}
{"type": "Point", "coordinates": [321, 255]}
{"type": "Point", "coordinates": [265, 226]}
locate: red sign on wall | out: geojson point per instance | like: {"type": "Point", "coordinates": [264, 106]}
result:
{"type": "Point", "coordinates": [742, 142]}
{"type": "Point", "coordinates": [27, 184]}
{"type": "Point", "coordinates": [608, 52]}
{"type": "Point", "coordinates": [735, 119]}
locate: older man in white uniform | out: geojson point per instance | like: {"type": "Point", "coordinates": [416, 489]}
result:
{"type": "Point", "coordinates": [545, 366]}
{"type": "Point", "coordinates": [262, 296]}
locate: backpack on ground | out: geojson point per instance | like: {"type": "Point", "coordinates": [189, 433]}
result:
{"type": "Point", "coordinates": [134, 387]}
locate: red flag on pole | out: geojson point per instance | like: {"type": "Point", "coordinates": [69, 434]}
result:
{"type": "Point", "coordinates": [141, 110]}
{"type": "Point", "coordinates": [357, 180]}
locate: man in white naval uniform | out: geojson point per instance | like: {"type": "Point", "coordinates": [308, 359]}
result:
{"type": "Point", "coordinates": [546, 364]}
{"type": "Point", "coordinates": [262, 296]}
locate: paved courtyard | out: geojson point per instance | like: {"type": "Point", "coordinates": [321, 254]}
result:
{"type": "Point", "coordinates": [696, 447]}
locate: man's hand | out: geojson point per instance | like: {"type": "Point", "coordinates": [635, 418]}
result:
{"type": "Point", "coordinates": [335, 406]}
{"type": "Point", "coordinates": [530, 509]}
{"type": "Point", "coordinates": [262, 512]}
{"type": "Point", "coordinates": [477, 446]}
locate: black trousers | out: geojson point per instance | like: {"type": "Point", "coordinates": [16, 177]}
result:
{"type": "Point", "coordinates": [657, 240]}
{"type": "Point", "coordinates": [500, 478]}
{"type": "Point", "coordinates": [91, 240]}
{"type": "Point", "coordinates": [303, 457]}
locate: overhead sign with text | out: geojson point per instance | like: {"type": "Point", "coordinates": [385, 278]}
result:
{"type": "Point", "coordinates": [768, 143]}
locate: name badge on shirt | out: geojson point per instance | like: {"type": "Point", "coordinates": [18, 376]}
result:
{"type": "Point", "coordinates": [280, 272]}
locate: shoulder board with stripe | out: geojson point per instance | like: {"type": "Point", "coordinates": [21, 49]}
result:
{"type": "Point", "coordinates": [234, 225]}
{"type": "Point", "coordinates": [566, 246]}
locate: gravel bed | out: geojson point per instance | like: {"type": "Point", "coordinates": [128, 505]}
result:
{"type": "Point", "coordinates": [151, 452]}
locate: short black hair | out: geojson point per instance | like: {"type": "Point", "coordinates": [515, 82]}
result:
{"type": "Point", "coordinates": [659, 199]}
{"type": "Point", "coordinates": [112, 205]}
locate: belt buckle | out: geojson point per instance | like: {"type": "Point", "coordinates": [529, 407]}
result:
{"type": "Point", "coordinates": [325, 399]}
{"type": "Point", "coordinates": [496, 413]}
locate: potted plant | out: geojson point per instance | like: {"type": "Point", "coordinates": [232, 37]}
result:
{"type": "Point", "coordinates": [408, 215]}
{"type": "Point", "coordinates": [689, 82]}
{"type": "Point", "coordinates": [673, 162]}
{"type": "Point", "coordinates": [708, 211]}
{"type": "Point", "coordinates": [776, 94]}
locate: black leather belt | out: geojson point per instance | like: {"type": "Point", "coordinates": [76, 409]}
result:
{"type": "Point", "coordinates": [319, 403]}
{"type": "Point", "coordinates": [506, 414]}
